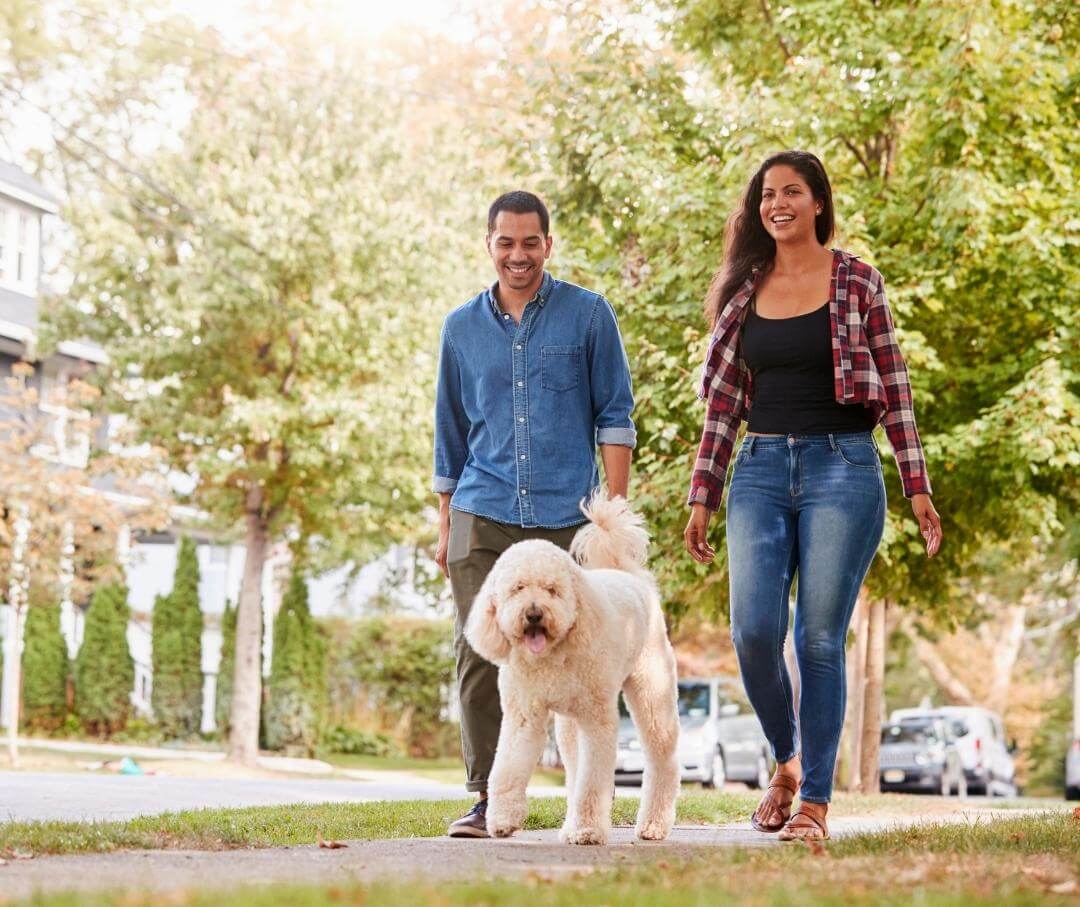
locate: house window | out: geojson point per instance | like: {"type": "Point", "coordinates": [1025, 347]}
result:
{"type": "Point", "coordinates": [3, 242]}
{"type": "Point", "coordinates": [22, 250]}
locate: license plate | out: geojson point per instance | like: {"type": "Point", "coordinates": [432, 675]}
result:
{"type": "Point", "coordinates": [894, 776]}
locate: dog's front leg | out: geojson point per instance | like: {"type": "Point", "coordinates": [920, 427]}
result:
{"type": "Point", "coordinates": [522, 737]}
{"type": "Point", "coordinates": [595, 780]}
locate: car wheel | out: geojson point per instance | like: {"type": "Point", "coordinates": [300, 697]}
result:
{"type": "Point", "coordinates": [1072, 793]}
{"type": "Point", "coordinates": [762, 776]}
{"type": "Point", "coordinates": [717, 772]}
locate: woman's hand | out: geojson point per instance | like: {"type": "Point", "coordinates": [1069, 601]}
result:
{"type": "Point", "coordinates": [695, 535]}
{"type": "Point", "coordinates": [929, 522]}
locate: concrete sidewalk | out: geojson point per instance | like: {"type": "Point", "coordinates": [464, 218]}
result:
{"type": "Point", "coordinates": [429, 859]}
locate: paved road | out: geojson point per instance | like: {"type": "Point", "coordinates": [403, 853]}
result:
{"type": "Point", "coordinates": [74, 796]}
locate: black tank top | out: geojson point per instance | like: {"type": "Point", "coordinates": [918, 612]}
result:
{"type": "Point", "coordinates": [791, 362]}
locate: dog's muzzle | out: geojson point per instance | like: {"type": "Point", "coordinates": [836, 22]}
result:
{"type": "Point", "coordinates": [536, 638]}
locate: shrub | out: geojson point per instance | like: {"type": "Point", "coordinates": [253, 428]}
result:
{"type": "Point", "coordinates": [296, 692]}
{"type": "Point", "coordinates": [355, 742]}
{"type": "Point", "coordinates": [45, 670]}
{"type": "Point", "coordinates": [104, 670]}
{"type": "Point", "coordinates": [392, 676]}
{"type": "Point", "coordinates": [226, 666]}
{"type": "Point", "coordinates": [177, 650]}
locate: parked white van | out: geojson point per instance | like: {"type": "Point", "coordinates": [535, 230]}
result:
{"type": "Point", "coordinates": [980, 740]}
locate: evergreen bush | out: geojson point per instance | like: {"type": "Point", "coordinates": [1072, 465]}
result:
{"type": "Point", "coordinates": [104, 669]}
{"type": "Point", "coordinates": [177, 650]}
{"type": "Point", "coordinates": [45, 670]}
{"type": "Point", "coordinates": [226, 666]}
{"type": "Point", "coordinates": [296, 700]}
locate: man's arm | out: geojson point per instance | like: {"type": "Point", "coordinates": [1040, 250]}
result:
{"type": "Point", "coordinates": [616, 459]}
{"type": "Point", "coordinates": [444, 532]}
{"type": "Point", "coordinates": [451, 441]}
{"type": "Point", "coordinates": [613, 398]}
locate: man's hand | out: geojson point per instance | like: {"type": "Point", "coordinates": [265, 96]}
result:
{"type": "Point", "coordinates": [695, 535]}
{"type": "Point", "coordinates": [444, 534]}
{"type": "Point", "coordinates": [929, 522]}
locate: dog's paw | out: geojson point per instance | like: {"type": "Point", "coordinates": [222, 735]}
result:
{"type": "Point", "coordinates": [585, 835]}
{"type": "Point", "coordinates": [653, 830]}
{"type": "Point", "coordinates": [501, 829]}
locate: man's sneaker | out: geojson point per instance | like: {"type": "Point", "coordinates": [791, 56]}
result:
{"type": "Point", "coordinates": [471, 825]}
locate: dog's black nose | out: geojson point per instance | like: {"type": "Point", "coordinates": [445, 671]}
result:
{"type": "Point", "coordinates": [534, 615]}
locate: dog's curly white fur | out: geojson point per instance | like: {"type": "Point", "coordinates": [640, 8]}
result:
{"type": "Point", "coordinates": [567, 638]}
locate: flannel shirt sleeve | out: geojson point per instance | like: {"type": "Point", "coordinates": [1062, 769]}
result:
{"type": "Point", "coordinates": [710, 468]}
{"type": "Point", "coordinates": [899, 418]}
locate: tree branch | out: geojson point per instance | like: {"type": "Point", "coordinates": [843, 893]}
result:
{"type": "Point", "coordinates": [766, 9]}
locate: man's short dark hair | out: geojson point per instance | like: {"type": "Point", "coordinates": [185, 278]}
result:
{"type": "Point", "coordinates": [518, 202]}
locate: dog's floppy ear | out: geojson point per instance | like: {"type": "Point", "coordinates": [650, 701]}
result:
{"type": "Point", "coordinates": [482, 628]}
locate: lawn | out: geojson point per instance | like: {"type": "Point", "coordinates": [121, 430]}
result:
{"type": "Point", "coordinates": [1015, 862]}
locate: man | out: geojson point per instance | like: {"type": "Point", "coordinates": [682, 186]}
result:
{"type": "Point", "coordinates": [532, 377]}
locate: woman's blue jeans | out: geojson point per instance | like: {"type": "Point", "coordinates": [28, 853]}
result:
{"type": "Point", "coordinates": [813, 507]}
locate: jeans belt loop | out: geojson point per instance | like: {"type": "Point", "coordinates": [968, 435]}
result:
{"type": "Point", "coordinates": [753, 441]}
{"type": "Point", "coordinates": [832, 442]}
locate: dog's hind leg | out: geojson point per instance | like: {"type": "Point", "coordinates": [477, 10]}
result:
{"type": "Point", "coordinates": [595, 772]}
{"type": "Point", "coordinates": [651, 695]}
{"type": "Point", "coordinates": [566, 735]}
{"type": "Point", "coordinates": [522, 736]}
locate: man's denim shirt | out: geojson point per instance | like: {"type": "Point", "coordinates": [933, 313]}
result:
{"type": "Point", "coordinates": [520, 408]}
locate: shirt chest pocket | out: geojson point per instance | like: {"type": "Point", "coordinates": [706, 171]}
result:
{"type": "Point", "coordinates": [560, 367]}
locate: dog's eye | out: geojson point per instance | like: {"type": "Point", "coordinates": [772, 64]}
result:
{"type": "Point", "coordinates": [518, 587]}
{"type": "Point", "coordinates": [551, 590]}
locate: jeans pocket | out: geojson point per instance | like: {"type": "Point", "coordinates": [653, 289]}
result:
{"type": "Point", "coordinates": [461, 530]}
{"type": "Point", "coordinates": [560, 367]}
{"type": "Point", "coordinates": [860, 454]}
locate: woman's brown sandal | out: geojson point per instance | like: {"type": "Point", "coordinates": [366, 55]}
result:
{"type": "Point", "coordinates": [779, 782]}
{"type": "Point", "coordinates": [804, 826]}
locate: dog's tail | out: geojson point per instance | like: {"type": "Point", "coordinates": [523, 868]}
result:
{"type": "Point", "coordinates": [614, 537]}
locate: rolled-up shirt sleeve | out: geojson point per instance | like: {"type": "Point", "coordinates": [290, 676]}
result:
{"type": "Point", "coordinates": [451, 422]}
{"type": "Point", "coordinates": [609, 379]}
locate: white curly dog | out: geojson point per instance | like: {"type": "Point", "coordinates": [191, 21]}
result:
{"type": "Point", "coordinates": [567, 640]}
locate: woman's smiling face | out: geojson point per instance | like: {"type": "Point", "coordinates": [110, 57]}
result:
{"type": "Point", "coordinates": [788, 207]}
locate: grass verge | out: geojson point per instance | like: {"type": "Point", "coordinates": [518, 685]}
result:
{"type": "Point", "coordinates": [1015, 862]}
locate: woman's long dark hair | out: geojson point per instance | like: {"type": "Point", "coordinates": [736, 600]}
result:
{"type": "Point", "coordinates": [747, 244]}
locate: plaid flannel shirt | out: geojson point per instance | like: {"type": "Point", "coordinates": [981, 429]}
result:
{"type": "Point", "coordinates": [868, 368]}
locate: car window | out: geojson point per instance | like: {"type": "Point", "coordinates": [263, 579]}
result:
{"type": "Point", "coordinates": [909, 732]}
{"type": "Point", "coordinates": [693, 700]}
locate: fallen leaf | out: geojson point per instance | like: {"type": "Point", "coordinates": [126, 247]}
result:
{"type": "Point", "coordinates": [1063, 887]}
{"type": "Point", "coordinates": [328, 845]}
{"type": "Point", "coordinates": [1016, 837]}
{"type": "Point", "coordinates": [1076, 814]}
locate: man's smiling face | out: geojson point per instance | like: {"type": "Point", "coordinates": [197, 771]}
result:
{"type": "Point", "coordinates": [518, 248]}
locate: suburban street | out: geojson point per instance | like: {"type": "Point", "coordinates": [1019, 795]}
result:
{"type": "Point", "coordinates": [73, 796]}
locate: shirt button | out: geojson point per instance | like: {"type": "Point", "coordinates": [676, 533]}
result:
{"type": "Point", "coordinates": [523, 456]}
{"type": "Point", "coordinates": [521, 418]}
{"type": "Point", "coordinates": [506, 316]}
{"type": "Point", "coordinates": [524, 490]}
{"type": "Point", "coordinates": [518, 347]}
{"type": "Point", "coordinates": [521, 384]}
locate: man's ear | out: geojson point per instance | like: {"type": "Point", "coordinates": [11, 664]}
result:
{"type": "Point", "coordinates": [482, 627]}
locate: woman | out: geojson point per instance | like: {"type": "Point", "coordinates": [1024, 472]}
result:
{"type": "Point", "coordinates": [803, 348]}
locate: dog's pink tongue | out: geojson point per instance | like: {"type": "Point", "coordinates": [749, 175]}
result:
{"type": "Point", "coordinates": [535, 640]}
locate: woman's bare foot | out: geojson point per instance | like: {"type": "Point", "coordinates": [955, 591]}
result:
{"type": "Point", "coordinates": [775, 807]}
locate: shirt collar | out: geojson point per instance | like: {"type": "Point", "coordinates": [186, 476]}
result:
{"type": "Point", "coordinates": [541, 297]}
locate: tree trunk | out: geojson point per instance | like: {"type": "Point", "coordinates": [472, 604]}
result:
{"type": "Point", "coordinates": [856, 695]}
{"type": "Point", "coordinates": [247, 672]}
{"type": "Point", "coordinates": [955, 690]}
{"type": "Point", "coordinates": [872, 704]}
{"type": "Point", "coordinates": [1006, 652]}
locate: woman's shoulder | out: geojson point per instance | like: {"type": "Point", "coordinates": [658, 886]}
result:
{"type": "Point", "coordinates": [862, 272]}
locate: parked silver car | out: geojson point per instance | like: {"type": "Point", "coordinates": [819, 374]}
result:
{"type": "Point", "coordinates": [980, 737]}
{"type": "Point", "coordinates": [720, 738]}
{"type": "Point", "coordinates": [920, 754]}
{"type": "Point", "coordinates": [1072, 771]}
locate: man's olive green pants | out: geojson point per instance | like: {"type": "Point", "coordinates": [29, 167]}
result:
{"type": "Point", "coordinates": [475, 545]}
